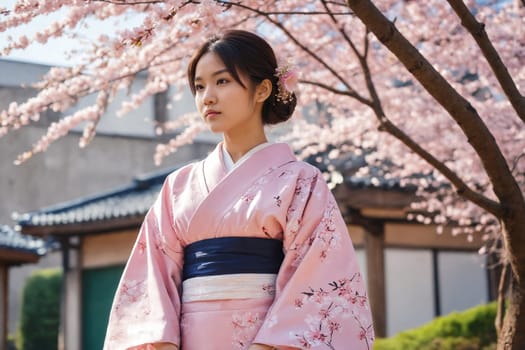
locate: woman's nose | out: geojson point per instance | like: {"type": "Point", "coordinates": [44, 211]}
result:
{"type": "Point", "coordinates": [209, 97]}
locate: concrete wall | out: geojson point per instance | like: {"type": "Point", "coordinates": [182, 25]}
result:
{"type": "Point", "coordinates": [66, 172]}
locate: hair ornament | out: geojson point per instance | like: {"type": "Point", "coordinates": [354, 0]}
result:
{"type": "Point", "coordinates": [288, 77]}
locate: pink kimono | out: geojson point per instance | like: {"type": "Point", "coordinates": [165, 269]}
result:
{"type": "Point", "coordinates": [316, 300]}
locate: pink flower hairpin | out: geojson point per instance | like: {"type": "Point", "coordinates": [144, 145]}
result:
{"type": "Point", "coordinates": [288, 76]}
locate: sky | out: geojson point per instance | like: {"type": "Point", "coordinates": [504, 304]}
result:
{"type": "Point", "coordinates": [54, 51]}
{"type": "Point", "coordinates": [51, 53]}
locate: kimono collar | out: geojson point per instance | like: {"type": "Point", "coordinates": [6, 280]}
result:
{"type": "Point", "coordinates": [228, 161]}
{"type": "Point", "coordinates": [253, 163]}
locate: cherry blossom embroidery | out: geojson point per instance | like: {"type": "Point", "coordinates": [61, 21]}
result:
{"type": "Point", "coordinates": [326, 234]}
{"type": "Point", "coordinates": [130, 309]}
{"type": "Point", "coordinates": [255, 188]}
{"type": "Point", "coordinates": [325, 237]}
{"type": "Point", "coordinates": [298, 303]}
{"type": "Point", "coordinates": [248, 197]}
{"type": "Point", "coordinates": [131, 291]}
{"type": "Point", "coordinates": [286, 174]}
{"type": "Point", "coordinates": [304, 186]}
{"type": "Point", "coordinates": [271, 321]}
{"type": "Point", "coordinates": [141, 247]}
{"type": "Point", "coordinates": [341, 299]}
{"type": "Point", "coordinates": [158, 238]}
{"type": "Point", "coordinates": [298, 251]}
{"type": "Point", "coordinates": [296, 208]}
{"type": "Point", "coordinates": [269, 288]}
{"type": "Point", "coordinates": [246, 325]}
{"type": "Point", "coordinates": [293, 227]}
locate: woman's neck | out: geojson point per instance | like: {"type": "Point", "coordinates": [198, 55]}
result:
{"type": "Point", "coordinates": [237, 147]}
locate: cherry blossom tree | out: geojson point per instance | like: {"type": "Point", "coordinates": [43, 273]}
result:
{"type": "Point", "coordinates": [433, 87]}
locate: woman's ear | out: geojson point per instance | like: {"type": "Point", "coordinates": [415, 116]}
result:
{"type": "Point", "coordinates": [263, 90]}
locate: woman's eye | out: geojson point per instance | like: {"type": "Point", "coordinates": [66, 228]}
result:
{"type": "Point", "coordinates": [198, 87]}
{"type": "Point", "coordinates": [222, 81]}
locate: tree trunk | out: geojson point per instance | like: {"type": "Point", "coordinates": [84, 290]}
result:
{"type": "Point", "coordinates": [502, 296]}
{"type": "Point", "coordinates": [512, 336]}
{"type": "Point", "coordinates": [511, 207]}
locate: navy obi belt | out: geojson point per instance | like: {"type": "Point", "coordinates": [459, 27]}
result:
{"type": "Point", "coordinates": [232, 255]}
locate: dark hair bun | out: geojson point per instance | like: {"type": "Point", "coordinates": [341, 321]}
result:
{"type": "Point", "coordinates": [276, 111]}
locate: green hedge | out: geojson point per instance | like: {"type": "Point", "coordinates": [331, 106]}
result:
{"type": "Point", "coordinates": [472, 329]}
{"type": "Point", "coordinates": [11, 339]}
{"type": "Point", "coordinates": [40, 314]}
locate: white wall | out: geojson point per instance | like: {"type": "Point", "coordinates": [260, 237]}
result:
{"type": "Point", "coordinates": [462, 281]}
{"type": "Point", "coordinates": [411, 290]}
{"type": "Point", "coordinates": [361, 259]}
{"type": "Point", "coordinates": [409, 284]}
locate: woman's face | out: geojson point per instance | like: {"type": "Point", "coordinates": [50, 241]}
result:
{"type": "Point", "coordinates": [225, 105]}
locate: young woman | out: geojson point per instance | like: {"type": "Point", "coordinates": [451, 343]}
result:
{"type": "Point", "coordinates": [245, 249]}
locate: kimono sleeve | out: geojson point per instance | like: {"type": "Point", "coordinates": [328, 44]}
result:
{"type": "Point", "coordinates": [320, 301]}
{"type": "Point", "coordinates": [146, 306]}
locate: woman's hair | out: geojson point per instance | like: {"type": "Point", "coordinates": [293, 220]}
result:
{"type": "Point", "coordinates": [247, 53]}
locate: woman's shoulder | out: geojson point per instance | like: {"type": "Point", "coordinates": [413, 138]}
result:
{"type": "Point", "coordinates": [303, 168]}
{"type": "Point", "coordinates": [182, 172]}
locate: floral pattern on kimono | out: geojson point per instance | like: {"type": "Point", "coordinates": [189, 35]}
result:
{"type": "Point", "coordinates": [333, 311]}
{"type": "Point", "coordinates": [245, 325]}
{"type": "Point", "coordinates": [318, 300]}
{"type": "Point", "coordinates": [146, 304]}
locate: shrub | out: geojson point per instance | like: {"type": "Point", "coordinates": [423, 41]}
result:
{"type": "Point", "coordinates": [491, 346]}
{"type": "Point", "coordinates": [470, 329]}
{"type": "Point", "coordinates": [453, 343]}
{"type": "Point", "coordinates": [40, 314]}
{"type": "Point", "coordinates": [11, 342]}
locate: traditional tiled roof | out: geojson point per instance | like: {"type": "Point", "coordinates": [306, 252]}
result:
{"type": "Point", "coordinates": [130, 201]}
{"type": "Point", "coordinates": [11, 239]}
{"type": "Point", "coordinates": [133, 201]}
{"type": "Point", "coordinates": [347, 165]}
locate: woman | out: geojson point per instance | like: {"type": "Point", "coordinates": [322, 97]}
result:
{"type": "Point", "coordinates": [245, 249]}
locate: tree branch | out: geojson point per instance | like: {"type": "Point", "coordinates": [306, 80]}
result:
{"type": "Point", "coordinates": [477, 30]}
{"type": "Point", "coordinates": [337, 91]}
{"type": "Point", "coordinates": [308, 13]}
{"type": "Point", "coordinates": [294, 39]}
{"type": "Point", "coordinates": [479, 136]}
{"type": "Point", "coordinates": [130, 3]}
{"type": "Point", "coordinates": [386, 125]}
{"type": "Point", "coordinates": [462, 188]}
{"type": "Point", "coordinates": [362, 58]}
{"type": "Point", "coordinates": [341, 30]}
{"type": "Point", "coordinates": [263, 13]}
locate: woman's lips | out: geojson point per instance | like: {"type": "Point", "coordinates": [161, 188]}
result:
{"type": "Point", "coordinates": [212, 114]}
